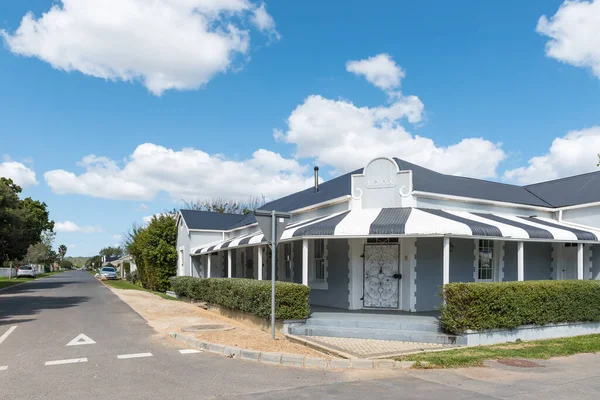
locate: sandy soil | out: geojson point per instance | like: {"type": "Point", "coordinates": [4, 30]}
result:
{"type": "Point", "coordinates": [168, 316]}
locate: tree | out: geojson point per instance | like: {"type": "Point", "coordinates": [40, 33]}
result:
{"type": "Point", "coordinates": [111, 251]}
{"type": "Point", "coordinates": [62, 250]}
{"type": "Point", "coordinates": [221, 205]}
{"type": "Point", "coordinates": [93, 262]}
{"type": "Point", "coordinates": [22, 221]}
{"type": "Point", "coordinates": [66, 264]}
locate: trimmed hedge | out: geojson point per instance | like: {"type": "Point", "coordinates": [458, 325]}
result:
{"type": "Point", "coordinates": [482, 306]}
{"type": "Point", "coordinates": [247, 295]}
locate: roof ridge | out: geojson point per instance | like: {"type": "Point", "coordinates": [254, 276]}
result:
{"type": "Point", "coordinates": [563, 178]}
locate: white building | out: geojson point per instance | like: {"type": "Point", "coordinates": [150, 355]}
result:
{"type": "Point", "coordinates": [388, 236]}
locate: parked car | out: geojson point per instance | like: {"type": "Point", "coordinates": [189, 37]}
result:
{"type": "Point", "coordinates": [26, 270]}
{"type": "Point", "coordinates": [108, 273]}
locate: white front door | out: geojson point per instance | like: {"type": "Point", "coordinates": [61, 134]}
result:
{"type": "Point", "coordinates": [567, 262]}
{"type": "Point", "coordinates": [382, 276]}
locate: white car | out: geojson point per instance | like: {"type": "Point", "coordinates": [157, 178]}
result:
{"type": "Point", "coordinates": [108, 273]}
{"type": "Point", "coordinates": [26, 270]}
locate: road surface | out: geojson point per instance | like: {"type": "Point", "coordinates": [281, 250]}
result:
{"type": "Point", "coordinates": [68, 337]}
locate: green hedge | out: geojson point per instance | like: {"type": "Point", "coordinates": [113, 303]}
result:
{"type": "Point", "coordinates": [481, 306]}
{"type": "Point", "coordinates": [247, 295]}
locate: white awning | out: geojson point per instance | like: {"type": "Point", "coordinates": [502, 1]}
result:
{"type": "Point", "coordinates": [414, 222]}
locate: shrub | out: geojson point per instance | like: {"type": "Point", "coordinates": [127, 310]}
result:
{"type": "Point", "coordinates": [482, 306]}
{"type": "Point", "coordinates": [247, 295]}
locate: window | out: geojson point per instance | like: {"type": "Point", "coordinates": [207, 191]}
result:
{"type": "Point", "coordinates": [485, 266]}
{"type": "Point", "coordinates": [287, 257]}
{"type": "Point", "coordinates": [319, 261]}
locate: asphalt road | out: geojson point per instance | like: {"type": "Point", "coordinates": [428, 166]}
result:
{"type": "Point", "coordinates": [39, 319]}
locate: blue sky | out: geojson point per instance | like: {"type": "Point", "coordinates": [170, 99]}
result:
{"type": "Point", "coordinates": [110, 116]}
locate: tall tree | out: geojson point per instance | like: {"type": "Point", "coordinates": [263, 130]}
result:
{"type": "Point", "coordinates": [111, 251]}
{"type": "Point", "coordinates": [62, 250]}
{"type": "Point", "coordinates": [221, 205]}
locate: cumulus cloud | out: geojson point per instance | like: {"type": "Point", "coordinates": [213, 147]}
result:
{"type": "Point", "coordinates": [68, 226]}
{"type": "Point", "coordinates": [575, 153]}
{"type": "Point", "coordinates": [18, 172]}
{"type": "Point", "coordinates": [165, 44]}
{"type": "Point", "coordinates": [380, 70]}
{"type": "Point", "coordinates": [574, 33]}
{"type": "Point", "coordinates": [183, 174]}
{"type": "Point", "coordinates": [345, 136]}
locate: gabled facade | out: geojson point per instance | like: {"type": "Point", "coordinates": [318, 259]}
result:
{"type": "Point", "coordinates": [388, 235]}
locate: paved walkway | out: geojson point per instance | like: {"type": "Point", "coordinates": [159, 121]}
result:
{"type": "Point", "coordinates": [369, 348]}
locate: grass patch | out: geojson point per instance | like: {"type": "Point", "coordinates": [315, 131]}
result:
{"type": "Point", "coordinates": [539, 349]}
{"type": "Point", "coordinates": [124, 285]}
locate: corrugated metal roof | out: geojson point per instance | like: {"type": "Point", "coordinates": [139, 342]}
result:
{"type": "Point", "coordinates": [578, 189]}
{"type": "Point", "coordinates": [210, 220]}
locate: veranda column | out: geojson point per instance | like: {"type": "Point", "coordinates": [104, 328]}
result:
{"type": "Point", "coordinates": [446, 261]}
{"type": "Point", "coordinates": [580, 261]}
{"type": "Point", "coordinates": [208, 257]}
{"type": "Point", "coordinates": [260, 263]}
{"type": "Point", "coordinates": [520, 262]}
{"type": "Point", "coordinates": [305, 262]}
{"type": "Point", "coordinates": [229, 263]}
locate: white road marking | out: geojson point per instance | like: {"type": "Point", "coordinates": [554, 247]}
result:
{"type": "Point", "coordinates": [8, 332]}
{"type": "Point", "coordinates": [71, 361]}
{"type": "Point", "coordinates": [3, 367]}
{"type": "Point", "coordinates": [81, 339]}
{"type": "Point", "coordinates": [138, 355]}
{"type": "Point", "coordinates": [189, 351]}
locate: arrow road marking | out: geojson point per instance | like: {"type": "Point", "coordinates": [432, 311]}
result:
{"type": "Point", "coordinates": [81, 339]}
{"type": "Point", "coordinates": [8, 332]}
{"type": "Point", "coordinates": [138, 355]}
{"type": "Point", "coordinates": [71, 361]}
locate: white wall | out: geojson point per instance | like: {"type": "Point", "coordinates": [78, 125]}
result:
{"type": "Point", "coordinates": [589, 216]}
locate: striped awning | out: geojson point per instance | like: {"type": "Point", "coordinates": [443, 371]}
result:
{"type": "Point", "coordinates": [391, 222]}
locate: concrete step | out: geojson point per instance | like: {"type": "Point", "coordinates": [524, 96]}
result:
{"type": "Point", "coordinates": [378, 334]}
{"type": "Point", "coordinates": [398, 325]}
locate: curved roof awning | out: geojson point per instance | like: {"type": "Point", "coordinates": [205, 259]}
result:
{"type": "Point", "coordinates": [415, 222]}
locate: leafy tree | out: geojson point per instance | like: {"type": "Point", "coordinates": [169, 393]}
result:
{"type": "Point", "coordinates": [221, 205]}
{"type": "Point", "coordinates": [94, 262]}
{"type": "Point", "coordinates": [21, 221]}
{"type": "Point", "coordinates": [66, 264]}
{"type": "Point", "coordinates": [111, 251]}
{"type": "Point", "coordinates": [62, 250]}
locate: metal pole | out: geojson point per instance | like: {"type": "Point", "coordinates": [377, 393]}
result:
{"type": "Point", "coordinates": [273, 255]}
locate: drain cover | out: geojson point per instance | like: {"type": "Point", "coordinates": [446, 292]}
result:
{"type": "Point", "coordinates": [208, 327]}
{"type": "Point", "coordinates": [515, 362]}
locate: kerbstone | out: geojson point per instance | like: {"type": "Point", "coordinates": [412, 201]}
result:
{"type": "Point", "coordinates": [250, 355]}
{"type": "Point", "coordinates": [358, 363]}
{"type": "Point", "coordinates": [339, 363]}
{"type": "Point", "coordinates": [216, 348]}
{"type": "Point", "coordinates": [191, 342]}
{"type": "Point", "coordinates": [200, 345]}
{"type": "Point", "coordinates": [383, 363]}
{"type": "Point", "coordinates": [404, 364]}
{"type": "Point", "coordinates": [270, 358]}
{"type": "Point", "coordinates": [315, 362]}
{"type": "Point", "coordinates": [232, 351]}
{"type": "Point", "coordinates": [293, 360]}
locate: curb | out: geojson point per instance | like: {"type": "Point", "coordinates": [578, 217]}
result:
{"type": "Point", "coordinates": [289, 360]}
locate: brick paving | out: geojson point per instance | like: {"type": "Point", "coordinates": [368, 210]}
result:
{"type": "Point", "coordinates": [370, 348]}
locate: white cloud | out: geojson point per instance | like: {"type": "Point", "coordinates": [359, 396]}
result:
{"type": "Point", "coordinates": [68, 226]}
{"type": "Point", "coordinates": [380, 70]}
{"type": "Point", "coordinates": [574, 33]}
{"type": "Point", "coordinates": [165, 44]}
{"type": "Point", "coordinates": [142, 207]}
{"type": "Point", "coordinates": [18, 172]}
{"type": "Point", "coordinates": [575, 153]}
{"type": "Point", "coordinates": [183, 174]}
{"type": "Point", "coordinates": [264, 22]}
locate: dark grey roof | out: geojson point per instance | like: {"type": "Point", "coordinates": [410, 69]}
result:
{"type": "Point", "coordinates": [427, 180]}
{"type": "Point", "coordinates": [210, 220]}
{"type": "Point", "coordinates": [247, 220]}
{"type": "Point", "coordinates": [578, 189]}
{"type": "Point", "coordinates": [332, 189]}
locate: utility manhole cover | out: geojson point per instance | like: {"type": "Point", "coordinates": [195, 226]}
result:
{"type": "Point", "coordinates": [514, 362]}
{"type": "Point", "coordinates": [209, 327]}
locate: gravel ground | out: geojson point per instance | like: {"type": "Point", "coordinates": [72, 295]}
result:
{"type": "Point", "coordinates": [168, 316]}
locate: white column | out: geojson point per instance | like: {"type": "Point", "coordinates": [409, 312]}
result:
{"type": "Point", "coordinates": [446, 261]}
{"type": "Point", "coordinates": [260, 263]}
{"type": "Point", "coordinates": [229, 263]}
{"type": "Point", "coordinates": [520, 262]}
{"type": "Point", "coordinates": [208, 257]}
{"type": "Point", "coordinates": [305, 262]}
{"type": "Point", "coordinates": [580, 261]}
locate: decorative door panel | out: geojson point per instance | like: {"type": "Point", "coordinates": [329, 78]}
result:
{"type": "Point", "coordinates": [382, 277]}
